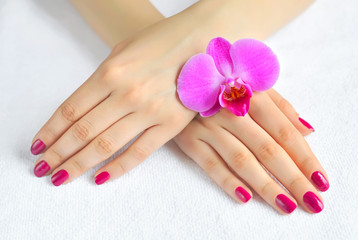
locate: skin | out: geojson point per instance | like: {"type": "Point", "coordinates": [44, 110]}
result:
{"type": "Point", "coordinates": [134, 90]}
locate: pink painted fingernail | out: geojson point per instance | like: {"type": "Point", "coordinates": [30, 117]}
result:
{"type": "Point", "coordinates": [60, 177]}
{"type": "Point", "coordinates": [285, 203]}
{"type": "Point", "coordinates": [102, 178]}
{"type": "Point", "coordinates": [313, 202]}
{"type": "Point", "coordinates": [37, 147]}
{"type": "Point", "coordinates": [41, 168]}
{"type": "Point", "coordinates": [242, 194]}
{"type": "Point", "coordinates": [320, 181]}
{"type": "Point", "coordinates": [307, 125]}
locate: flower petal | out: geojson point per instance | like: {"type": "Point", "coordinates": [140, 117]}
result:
{"type": "Point", "coordinates": [222, 101]}
{"type": "Point", "coordinates": [198, 83]}
{"type": "Point", "coordinates": [212, 110]}
{"type": "Point", "coordinates": [255, 64]}
{"type": "Point", "coordinates": [219, 49]}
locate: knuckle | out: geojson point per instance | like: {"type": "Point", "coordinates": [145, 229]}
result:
{"type": "Point", "coordinates": [307, 163]}
{"type": "Point", "coordinates": [110, 73]}
{"type": "Point", "coordinates": [153, 108]}
{"type": "Point", "coordinates": [296, 182]}
{"type": "Point", "coordinates": [267, 188]}
{"type": "Point", "coordinates": [287, 134]}
{"type": "Point", "coordinates": [49, 133]}
{"type": "Point", "coordinates": [55, 156]}
{"type": "Point", "coordinates": [104, 145]}
{"type": "Point", "coordinates": [134, 96]}
{"type": "Point", "coordinates": [284, 105]}
{"type": "Point", "coordinates": [120, 168]}
{"type": "Point", "coordinates": [78, 165]}
{"type": "Point", "coordinates": [68, 112]}
{"type": "Point", "coordinates": [267, 151]}
{"type": "Point", "coordinates": [239, 159]}
{"type": "Point", "coordinates": [81, 130]}
{"type": "Point", "coordinates": [210, 164]}
{"type": "Point", "coordinates": [140, 152]}
{"type": "Point", "coordinates": [227, 182]}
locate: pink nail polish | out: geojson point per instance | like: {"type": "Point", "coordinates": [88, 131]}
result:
{"type": "Point", "coordinates": [285, 203]}
{"type": "Point", "coordinates": [102, 178]}
{"type": "Point", "coordinates": [37, 147]}
{"type": "Point", "coordinates": [313, 202]}
{"type": "Point", "coordinates": [41, 168]}
{"type": "Point", "coordinates": [307, 125]}
{"type": "Point", "coordinates": [242, 194]}
{"type": "Point", "coordinates": [320, 181]}
{"type": "Point", "coordinates": [60, 177]}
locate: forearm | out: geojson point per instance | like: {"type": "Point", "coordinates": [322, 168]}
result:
{"type": "Point", "coordinates": [115, 20]}
{"type": "Point", "coordinates": [235, 19]}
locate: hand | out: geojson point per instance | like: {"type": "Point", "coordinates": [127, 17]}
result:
{"type": "Point", "coordinates": [228, 147]}
{"type": "Point", "coordinates": [132, 91]}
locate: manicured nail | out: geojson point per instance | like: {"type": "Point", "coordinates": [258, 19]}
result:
{"type": "Point", "coordinates": [41, 168]}
{"type": "Point", "coordinates": [102, 178]}
{"type": "Point", "coordinates": [313, 202]}
{"type": "Point", "coordinates": [320, 181]}
{"type": "Point", "coordinates": [307, 125]}
{"type": "Point", "coordinates": [283, 202]}
{"type": "Point", "coordinates": [60, 177]}
{"type": "Point", "coordinates": [242, 194]}
{"type": "Point", "coordinates": [37, 147]}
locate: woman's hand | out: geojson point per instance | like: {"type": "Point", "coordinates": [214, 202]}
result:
{"type": "Point", "coordinates": [228, 147]}
{"type": "Point", "coordinates": [132, 91]}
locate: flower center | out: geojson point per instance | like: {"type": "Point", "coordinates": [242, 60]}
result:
{"type": "Point", "coordinates": [234, 93]}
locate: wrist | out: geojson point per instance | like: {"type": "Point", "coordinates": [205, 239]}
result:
{"type": "Point", "coordinates": [236, 19]}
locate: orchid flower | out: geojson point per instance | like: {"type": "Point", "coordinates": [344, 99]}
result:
{"type": "Point", "coordinates": [226, 75]}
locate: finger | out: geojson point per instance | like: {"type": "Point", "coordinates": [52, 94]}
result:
{"type": "Point", "coordinates": [86, 97]}
{"type": "Point", "coordinates": [244, 163]}
{"type": "Point", "coordinates": [275, 159]}
{"type": "Point", "coordinates": [214, 166]}
{"type": "Point", "coordinates": [289, 138]}
{"type": "Point", "coordinates": [81, 133]}
{"type": "Point", "coordinates": [101, 148]}
{"type": "Point", "coordinates": [152, 139]}
{"type": "Point", "coordinates": [304, 127]}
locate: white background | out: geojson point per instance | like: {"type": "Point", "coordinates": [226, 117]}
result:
{"type": "Point", "coordinates": [47, 51]}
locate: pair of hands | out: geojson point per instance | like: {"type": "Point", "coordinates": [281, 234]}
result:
{"type": "Point", "coordinates": [134, 91]}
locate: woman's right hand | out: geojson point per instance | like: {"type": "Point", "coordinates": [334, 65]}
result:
{"type": "Point", "coordinates": [230, 148]}
{"type": "Point", "coordinates": [132, 91]}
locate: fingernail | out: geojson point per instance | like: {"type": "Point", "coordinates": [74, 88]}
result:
{"type": "Point", "coordinates": [60, 177]}
{"type": "Point", "coordinates": [102, 178]}
{"type": "Point", "coordinates": [320, 181]}
{"type": "Point", "coordinates": [313, 202]}
{"type": "Point", "coordinates": [285, 203]}
{"type": "Point", "coordinates": [242, 194]}
{"type": "Point", "coordinates": [41, 168]}
{"type": "Point", "coordinates": [307, 125]}
{"type": "Point", "coordinates": [37, 147]}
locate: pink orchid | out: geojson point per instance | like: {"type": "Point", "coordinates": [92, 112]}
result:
{"type": "Point", "coordinates": [226, 75]}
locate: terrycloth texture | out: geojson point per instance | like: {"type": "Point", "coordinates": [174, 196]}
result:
{"type": "Point", "coordinates": [47, 51]}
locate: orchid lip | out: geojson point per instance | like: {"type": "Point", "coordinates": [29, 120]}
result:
{"type": "Point", "coordinates": [234, 89]}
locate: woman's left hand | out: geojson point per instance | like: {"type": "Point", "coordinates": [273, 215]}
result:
{"type": "Point", "coordinates": [228, 147]}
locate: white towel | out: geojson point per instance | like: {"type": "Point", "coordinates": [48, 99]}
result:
{"type": "Point", "coordinates": [47, 51]}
